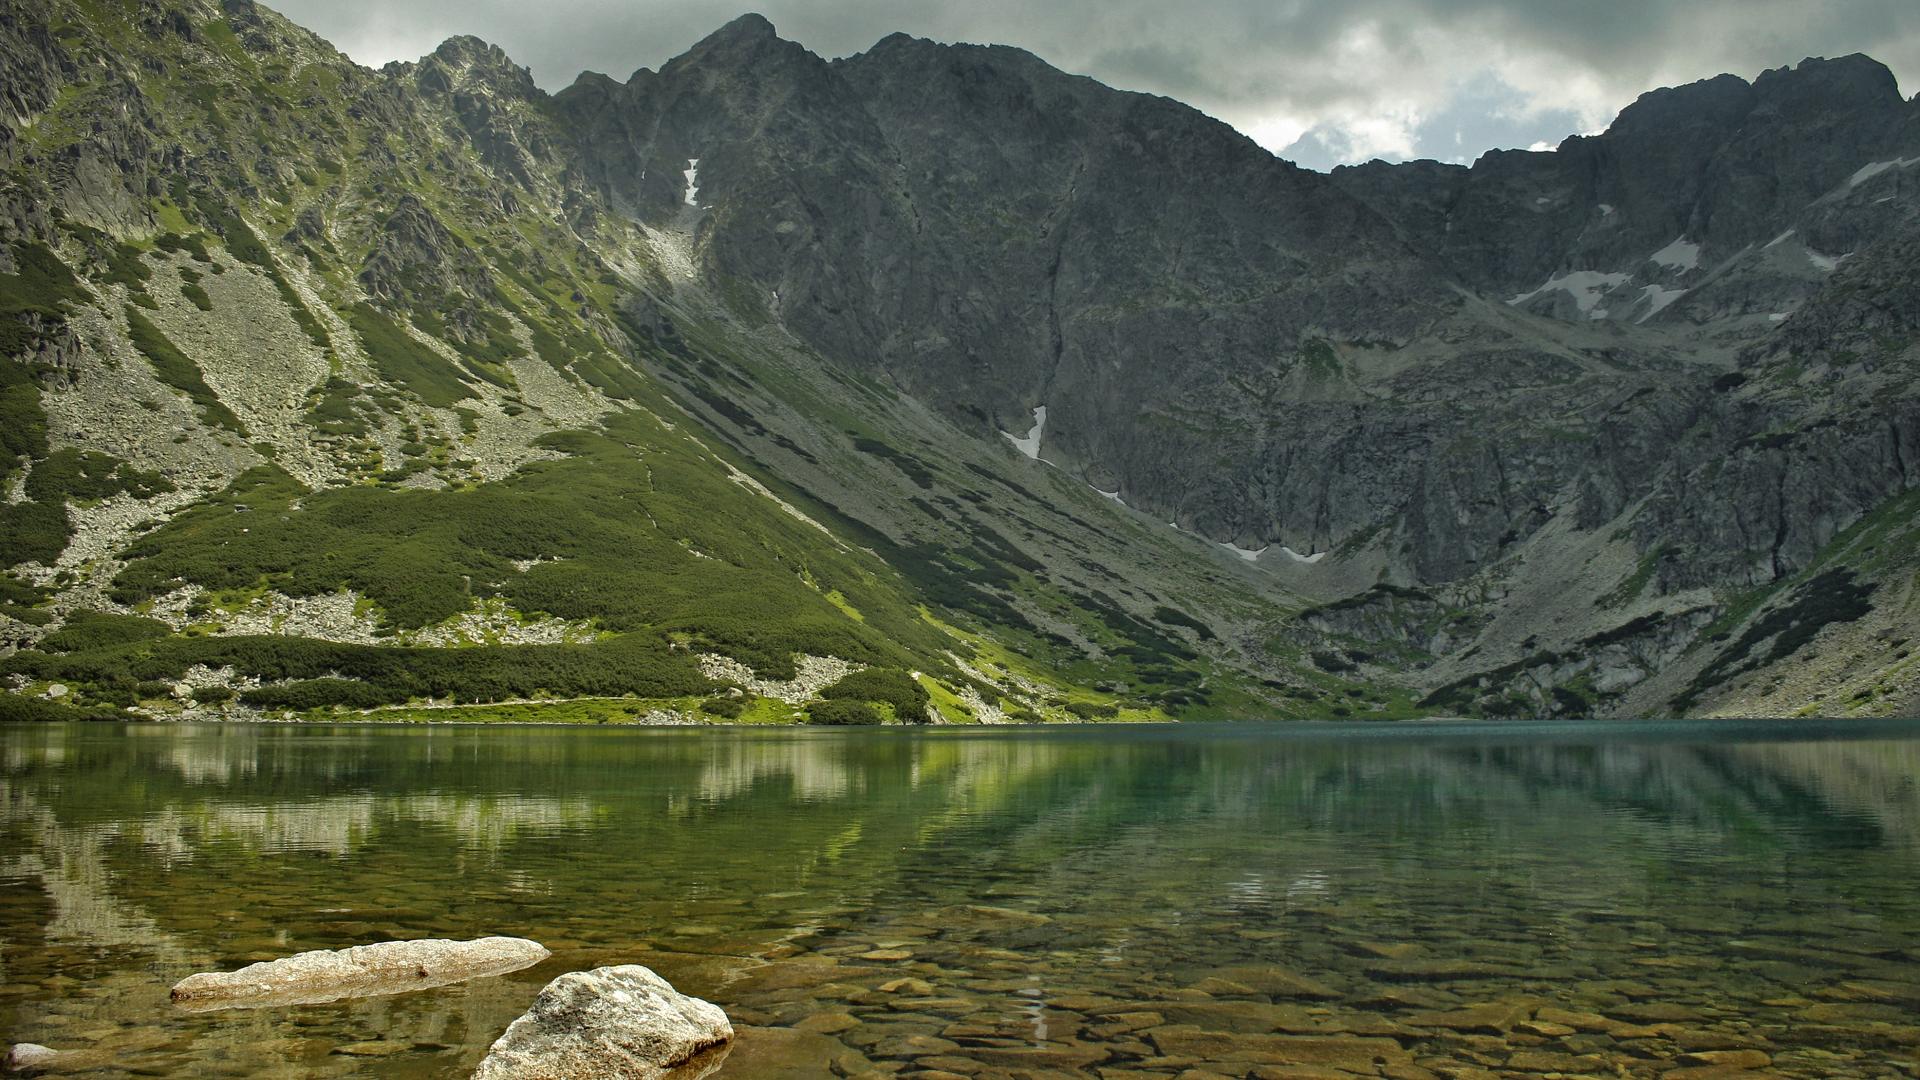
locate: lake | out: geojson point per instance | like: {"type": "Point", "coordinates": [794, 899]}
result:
{"type": "Point", "coordinates": [1461, 900]}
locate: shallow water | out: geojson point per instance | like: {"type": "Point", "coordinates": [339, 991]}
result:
{"type": "Point", "coordinates": [1407, 901]}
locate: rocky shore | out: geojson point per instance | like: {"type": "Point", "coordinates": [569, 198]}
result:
{"type": "Point", "coordinates": [612, 1023]}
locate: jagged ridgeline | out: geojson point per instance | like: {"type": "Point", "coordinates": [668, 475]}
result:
{"type": "Point", "coordinates": [931, 383]}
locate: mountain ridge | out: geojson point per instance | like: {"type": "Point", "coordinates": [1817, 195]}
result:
{"type": "Point", "coordinates": [1308, 447]}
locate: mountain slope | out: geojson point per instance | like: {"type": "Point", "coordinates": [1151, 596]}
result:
{"type": "Point", "coordinates": [700, 393]}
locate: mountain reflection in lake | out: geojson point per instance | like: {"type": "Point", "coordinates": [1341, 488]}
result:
{"type": "Point", "coordinates": [1365, 901]}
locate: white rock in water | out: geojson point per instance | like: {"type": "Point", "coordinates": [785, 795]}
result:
{"type": "Point", "coordinates": [390, 967]}
{"type": "Point", "coordinates": [30, 1056]}
{"type": "Point", "coordinates": [612, 1023]}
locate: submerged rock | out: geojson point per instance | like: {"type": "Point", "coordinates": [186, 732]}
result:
{"type": "Point", "coordinates": [390, 967]}
{"type": "Point", "coordinates": [24, 1056]}
{"type": "Point", "coordinates": [612, 1023]}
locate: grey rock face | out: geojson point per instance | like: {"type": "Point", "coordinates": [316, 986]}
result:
{"type": "Point", "coordinates": [1256, 353]}
{"type": "Point", "coordinates": [612, 1023]}
{"type": "Point", "coordinates": [389, 967]}
{"type": "Point", "coordinates": [1722, 163]}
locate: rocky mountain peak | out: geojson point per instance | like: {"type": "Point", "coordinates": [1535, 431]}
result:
{"type": "Point", "coordinates": [1720, 102]}
{"type": "Point", "coordinates": [743, 39]}
{"type": "Point", "coordinates": [465, 61]}
{"type": "Point", "coordinates": [1821, 87]}
{"type": "Point", "coordinates": [751, 26]}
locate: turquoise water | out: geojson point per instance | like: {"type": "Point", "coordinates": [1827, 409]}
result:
{"type": "Point", "coordinates": [1383, 900]}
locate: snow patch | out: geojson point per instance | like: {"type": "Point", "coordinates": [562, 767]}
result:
{"type": "Point", "coordinates": [693, 181]}
{"type": "Point", "coordinates": [1826, 264]}
{"type": "Point", "coordinates": [1585, 286]}
{"type": "Point", "coordinates": [1781, 239]}
{"type": "Point", "coordinates": [1682, 254]}
{"type": "Point", "coordinates": [1779, 316]}
{"type": "Point", "coordinates": [1658, 298]}
{"type": "Point", "coordinates": [1869, 171]}
{"type": "Point", "coordinates": [1297, 557]}
{"type": "Point", "coordinates": [1250, 556]}
{"type": "Point", "coordinates": [1114, 494]}
{"type": "Point", "coordinates": [1606, 210]}
{"type": "Point", "coordinates": [1030, 444]}
{"type": "Point", "coordinates": [1542, 201]}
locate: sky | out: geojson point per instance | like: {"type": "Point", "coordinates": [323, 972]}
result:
{"type": "Point", "coordinates": [1319, 82]}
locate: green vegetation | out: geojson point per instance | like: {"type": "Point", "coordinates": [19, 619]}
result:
{"type": "Point", "coordinates": [840, 712]}
{"type": "Point", "coordinates": [726, 708]}
{"type": "Point", "coordinates": [242, 244]}
{"type": "Point", "coordinates": [1630, 589]}
{"type": "Point", "coordinates": [190, 288]}
{"type": "Point", "coordinates": [191, 243]}
{"type": "Point", "coordinates": [1321, 362]}
{"type": "Point", "coordinates": [610, 538]}
{"type": "Point", "coordinates": [331, 409]}
{"type": "Point", "coordinates": [87, 475]}
{"type": "Point", "coordinates": [1167, 616]}
{"type": "Point", "coordinates": [179, 371]}
{"type": "Point", "coordinates": [88, 630]}
{"type": "Point", "coordinates": [401, 359]}
{"type": "Point", "coordinates": [33, 532]}
{"type": "Point", "coordinates": [19, 600]}
{"type": "Point", "coordinates": [17, 708]}
{"type": "Point", "coordinates": [308, 674]}
{"type": "Point", "coordinates": [34, 299]}
{"type": "Point", "coordinates": [913, 468]}
{"type": "Point", "coordinates": [1832, 597]}
{"type": "Point", "coordinates": [38, 529]}
{"type": "Point", "coordinates": [23, 424]}
{"type": "Point", "coordinates": [883, 686]}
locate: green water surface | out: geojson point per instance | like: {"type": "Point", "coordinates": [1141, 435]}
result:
{"type": "Point", "coordinates": [1417, 900]}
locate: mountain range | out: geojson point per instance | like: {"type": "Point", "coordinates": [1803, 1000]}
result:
{"type": "Point", "coordinates": [929, 383]}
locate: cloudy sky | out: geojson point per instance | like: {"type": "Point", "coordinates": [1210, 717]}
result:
{"type": "Point", "coordinates": [1318, 81]}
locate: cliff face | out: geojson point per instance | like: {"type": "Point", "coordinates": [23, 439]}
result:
{"type": "Point", "coordinates": [1594, 414]}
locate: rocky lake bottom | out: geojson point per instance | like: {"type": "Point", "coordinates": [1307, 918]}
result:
{"type": "Point", "coordinates": [1694, 901]}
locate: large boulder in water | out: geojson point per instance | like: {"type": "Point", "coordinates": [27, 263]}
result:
{"type": "Point", "coordinates": [612, 1023]}
{"type": "Point", "coordinates": [390, 967]}
{"type": "Point", "coordinates": [24, 1057]}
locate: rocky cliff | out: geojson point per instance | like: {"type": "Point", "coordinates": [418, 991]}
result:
{"type": "Point", "coordinates": [760, 356]}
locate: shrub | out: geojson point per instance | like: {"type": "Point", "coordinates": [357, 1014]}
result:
{"type": "Point", "coordinates": [402, 360]}
{"type": "Point", "coordinates": [87, 630]}
{"type": "Point", "coordinates": [842, 713]}
{"type": "Point", "coordinates": [1327, 660]}
{"type": "Point", "coordinates": [16, 708]}
{"type": "Point", "coordinates": [178, 370]}
{"type": "Point", "coordinates": [1175, 617]}
{"type": "Point", "coordinates": [728, 708]}
{"type": "Point", "coordinates": [887, 685]}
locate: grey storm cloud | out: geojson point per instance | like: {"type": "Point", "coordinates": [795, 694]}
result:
{"type": "Point", "coordinates": [1318, 81]}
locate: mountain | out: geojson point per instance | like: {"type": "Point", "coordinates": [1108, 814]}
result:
{"type": "Point", "coordinates": [932, 380]}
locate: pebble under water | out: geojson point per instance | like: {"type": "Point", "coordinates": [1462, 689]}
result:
{"type": "Point", "coordinates": [1694, 901]}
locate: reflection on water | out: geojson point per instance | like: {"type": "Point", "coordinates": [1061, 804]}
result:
{"type": "Point", "coordinates": [989, 902]}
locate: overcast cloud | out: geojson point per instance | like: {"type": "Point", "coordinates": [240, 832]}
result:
{"type": "Point", "coordinates": [1318, 81]}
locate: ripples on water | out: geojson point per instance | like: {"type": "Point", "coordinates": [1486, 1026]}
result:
{"type": "Point", "coordinates": [1373, 901]}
